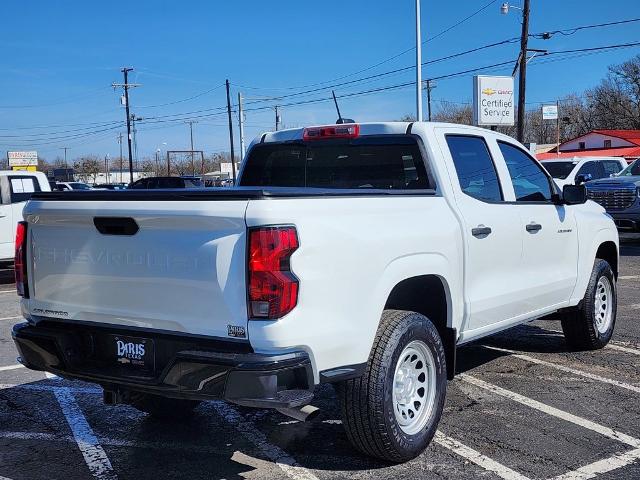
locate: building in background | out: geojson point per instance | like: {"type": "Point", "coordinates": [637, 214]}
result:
{"type": "Point", "coordinates": [599, 143]}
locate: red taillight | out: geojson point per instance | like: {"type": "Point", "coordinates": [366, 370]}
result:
{"type": "Point", "coordinates": [20, 263]}
{"type": "Point", "coordinates": [273, 288]}
{"type": "Point", "coordinates": [347, 130]}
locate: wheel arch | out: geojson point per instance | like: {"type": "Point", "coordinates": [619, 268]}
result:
{"type": "Point", "coordinates": [609, 251]}
{"type": "Point", "coordinates": [429, 295]}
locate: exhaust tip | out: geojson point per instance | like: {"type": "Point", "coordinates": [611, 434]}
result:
{"type": "Point", "coordinates": [305, 414]}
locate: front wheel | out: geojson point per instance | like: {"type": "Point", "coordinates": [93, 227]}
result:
{"type": "Point", "coordinates": [590, 325]}
{"type": "Point", "coordinates": [393, 410]}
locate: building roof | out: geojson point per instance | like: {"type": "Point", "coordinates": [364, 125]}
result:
{"type": "Point", "coordinates": [626, 152]}
{"type": "Point", "coordinates": [632, 136]}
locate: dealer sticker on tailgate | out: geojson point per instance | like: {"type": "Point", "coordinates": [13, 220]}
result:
{"type": "Point", "coordinates": [135, 352]}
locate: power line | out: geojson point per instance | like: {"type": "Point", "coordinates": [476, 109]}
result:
{"type": "Point", "coordinates": [571, 31]}
{"type": "Point", "coordinates": [201, 94]}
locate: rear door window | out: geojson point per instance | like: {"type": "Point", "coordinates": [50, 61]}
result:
{"type": "Point", "coordinates": [474, 166]}
{"type": "Point", "coordinates": [386, 162]}
{"type": "Point", "coordinates": [611, 167]}
{"type": "Point", "coordinates": [22, 187]}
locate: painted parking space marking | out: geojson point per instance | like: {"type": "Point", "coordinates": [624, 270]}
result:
{"type": "Point", "coordinates": [552, 411]}
{"type": "Point", "coordinates": [11, 318]}
{"type": "Point", "coordinates": [476, 457]}
{"type": "Point", "coordinates": [625, 349]}
{"type": "Point", "coordinates": [628, 277]}
{"type": "Point", "coordinates": [606, 465]}
{"type": "Point", "coordinates": [563, 368]}
{"type": "Point", "coordinates": [11, 367]}
{"type": "Point", "coordinates": [94, 455]}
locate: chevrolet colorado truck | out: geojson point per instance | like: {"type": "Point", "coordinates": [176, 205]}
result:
{"type": "Point", "coordinates": [361, 255]}
{"type": "Point", "coordinates": [620, 196]}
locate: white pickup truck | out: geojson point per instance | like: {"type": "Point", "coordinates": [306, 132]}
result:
{"type": "Point", "coordinates": [360, 254]}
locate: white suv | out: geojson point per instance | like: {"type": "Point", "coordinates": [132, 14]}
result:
{"type": "Point", "coordinates": [578, 170]}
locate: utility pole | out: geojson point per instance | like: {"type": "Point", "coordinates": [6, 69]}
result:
{"type": "Point", "coordinates": [126, 86]}
{"type": "Point", "coordinates": [66, 166]}
{"type": "Point", "coordinates": [277, 118]}
{"type": "Point", "coordinates": [233, 163]}
{"type": "Point", "coordinates": [241, 125]}
{"type": "Point", "coordinates": [120, 143]}
{"type": "Point", "coordinates": [430, 86]}
{"type": "Point", "coordinates": [558, 126]}
{"type": "Point", "coordinates": [418, 65]}
{"type": "Point", "coordinates": [522, 78]}
{"type": "Point", "coordinates": [193, 164]}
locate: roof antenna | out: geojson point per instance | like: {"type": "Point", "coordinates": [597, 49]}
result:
{"type": "Point", "coordinates": [340, 119]}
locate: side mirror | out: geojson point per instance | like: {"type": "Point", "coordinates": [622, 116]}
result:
{"type": "Point", "coordinates": [582, 178]}
{"type": "Point", "coordinates": [574, 194]}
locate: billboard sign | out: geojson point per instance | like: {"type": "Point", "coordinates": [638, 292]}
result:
{"type": "Point", "coordinates": [549, 112]}
{"type": "Point", "coordinates": [493, 102]}
{"type": "Point", "coordinates": [22, 159]}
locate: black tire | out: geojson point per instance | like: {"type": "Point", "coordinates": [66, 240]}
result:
{"type": "Point", "coordinates": [162, 407]}
{"type": "Point", "coordinates": [579, 324]}
{"type": "Point", "coordinates": [367, 402]}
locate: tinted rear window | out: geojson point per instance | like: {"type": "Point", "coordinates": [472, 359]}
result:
{"type": "Point", "coordinates": [22, 188]}
{"type": "Point", "coordinates": [389, 162]}
{"type": "Point", "coordinates": [559, 170]}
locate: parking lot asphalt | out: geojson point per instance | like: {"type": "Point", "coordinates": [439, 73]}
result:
{"type": "Point", "coordinates": [521, 407]}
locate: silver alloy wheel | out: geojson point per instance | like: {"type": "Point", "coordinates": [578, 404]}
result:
{"type": "Point", "coordinates": [414, 387]}
{"type": "Point", "coordinates": [603, 304]}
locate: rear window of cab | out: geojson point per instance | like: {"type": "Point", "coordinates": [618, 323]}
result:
{"type": "Point", "coordinates": [386, 162]}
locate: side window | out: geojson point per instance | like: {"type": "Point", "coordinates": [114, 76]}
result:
{"type": "Point", "coordinates": [139, 184]}
{"type": "Point", "coordinates": [22, 187]}
{"type": "Point", "coordinates": [476, 172]}
{"type": "Point", "coordinates": [592, 168]}
{"type": "Point", "coordinates": [529, 180]}
{"type": "Point", "coordinates": [611, 167]}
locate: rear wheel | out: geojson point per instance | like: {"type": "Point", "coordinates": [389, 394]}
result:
{"type": "Point", "coordinates": [590, 325]}
{"type": "Point", "coordinates": [392, 411]}
{"type": "Point", "coordinates": [162, 407]}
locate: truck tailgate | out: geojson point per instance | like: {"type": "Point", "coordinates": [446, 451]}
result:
{"type": "Point", "coordinates": [183, 270]}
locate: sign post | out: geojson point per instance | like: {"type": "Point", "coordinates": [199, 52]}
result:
{"type": "Point", "coordinates": [493, 101]}
{"type": "Point", "coordinates": [550, 112]}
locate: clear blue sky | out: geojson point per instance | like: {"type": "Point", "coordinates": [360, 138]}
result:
{"type": "Point", "coordinates": [58, 60]}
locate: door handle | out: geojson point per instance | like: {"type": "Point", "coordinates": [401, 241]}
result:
{"type": "Point", "coordinates": [480, 231]}
{"type": "Point", "coordinates": [533, 227]}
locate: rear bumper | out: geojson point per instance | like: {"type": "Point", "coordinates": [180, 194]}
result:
{"type": "Point", "coordinates": [185, 366]}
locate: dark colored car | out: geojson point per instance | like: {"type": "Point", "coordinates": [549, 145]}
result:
{"type": "Point", "coordinates": [111, 186]}
{"type": "Point", "coordinates": [166, 182]}
{"type": "Point", "coordinates": [620, 196]}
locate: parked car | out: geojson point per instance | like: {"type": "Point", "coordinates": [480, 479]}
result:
{"type": "Point", "coordinates": [166, 182]}
{"type": "Point", "coordinates": [361, 255]}
{"type": "Point", "coordinates": [110, 186]}
{"type": "Point", "coordinates": [66, 186]}
{"type": "Point", "coordinates": [579, 170]}
{"type": "Point", "coordinates": [16, 187]}
{"type": "Point", "coordinates": [620, 197]}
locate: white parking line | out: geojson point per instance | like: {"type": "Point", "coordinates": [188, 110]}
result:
{"type": "Point", "coordinates": [620, 348]}
{"type": "Point", "coordinates": [476, 457]}
{"type": "Point", "coordinates": [554, 412]}
{"type": "Point", "coordinates": [574, 371]}
{"type": "Point", "coordinates": [11, 318]}
{"type": "Point", "coordinates": [94, 455]}
{"type": "Point", "coordinates": [594, 469]}
{"type": "Point", "coordinates": [8, 291]}
{"type": "Point", "coordinates": [628, 277]}
{"type": "Point", "coordinates": [248, 430]}
{"type": "Point", "coordinates": [11, 367]}
{"type": "Point", "coordinates": [48, 388]}
{"type": "Point", "coordinates": [632, 306]}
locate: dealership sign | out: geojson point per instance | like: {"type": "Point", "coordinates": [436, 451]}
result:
{"type": "Point", "coordinates": [493, 102]}
{"type": "Point", "coordinates": [22, 159]}
{"type": "Point", "coordinates": [549, 112]}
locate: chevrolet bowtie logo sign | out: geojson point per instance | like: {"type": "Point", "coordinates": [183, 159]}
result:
{"type": "Point", "coordinates": [488, 91]}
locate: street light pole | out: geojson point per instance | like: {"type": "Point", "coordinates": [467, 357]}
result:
{"type": "Point", "coordinates": [418, 65]}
